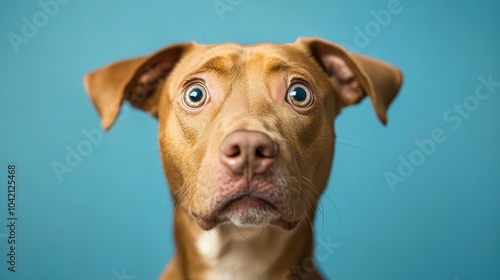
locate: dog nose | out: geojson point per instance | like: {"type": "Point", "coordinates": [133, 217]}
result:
{"type": "Point", "coordinates": [251, 151]}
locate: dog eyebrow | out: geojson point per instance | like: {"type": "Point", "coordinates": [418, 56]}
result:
{"type": "Point", "coordinates": [218, 64]}
{"type": "Point", "coordinates": [276, 65]}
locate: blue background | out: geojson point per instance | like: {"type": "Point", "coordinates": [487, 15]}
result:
{"type": "Point", "coordinates": [112, 214]}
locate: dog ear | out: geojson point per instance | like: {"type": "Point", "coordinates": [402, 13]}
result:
{"type": "Point", "coordinates": [134, 80]}
{"type": "Point", "coordinates": [356, 76]}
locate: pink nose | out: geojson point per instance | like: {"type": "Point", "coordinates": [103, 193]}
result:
{"type": "Point", "coordinates": [248, 152]}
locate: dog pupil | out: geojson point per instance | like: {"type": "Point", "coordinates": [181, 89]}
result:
{"type": "Point", "coordinates": [196, 95]}
{"type": "Point", "coordinates": [299, 94]}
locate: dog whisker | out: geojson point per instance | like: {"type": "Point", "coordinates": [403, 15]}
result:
{"type": "Point", "coordinates": [239, 232]}
{"type": "Point", "coordinates": [357, 147]}
{"type": "Point", "coordinates": [260, 234]}
{"type": "Point", "coordinates": [320, 203]}
{"type": "Point", "coordinates": [183, 192]}
{"type": "Point", "coordinates": [315, 197]}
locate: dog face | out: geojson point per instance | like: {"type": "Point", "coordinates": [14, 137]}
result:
{"type": "Point", "coordinates": [244, 149]}
{"type": "Point", "coordinates": [246, 132]}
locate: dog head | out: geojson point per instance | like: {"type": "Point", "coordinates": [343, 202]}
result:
{"type": "Point", "coordinates": [246, 132]}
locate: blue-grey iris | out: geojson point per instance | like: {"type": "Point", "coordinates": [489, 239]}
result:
{"type": "Point", "coordinates": [299, 95]}
{"type": "Point", "coordinates": [195, 96]}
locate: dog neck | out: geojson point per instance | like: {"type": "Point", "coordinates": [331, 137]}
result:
{"type": "Point", "coordinates": [229, 252]}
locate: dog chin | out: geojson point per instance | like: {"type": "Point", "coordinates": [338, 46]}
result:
{"type": "Point", "coordinates": [260, 222]}
{"type": "Point", "coordinates": [250, 219]}
{"type": "Point", "coordinates": [246, 212]}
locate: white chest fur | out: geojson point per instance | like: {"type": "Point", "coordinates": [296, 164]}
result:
{"type": "Point", "coordinates": [241, 254]}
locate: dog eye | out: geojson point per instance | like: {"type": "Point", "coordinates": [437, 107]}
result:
{"type": "Point", "coordinates": [299, 95]}
{"type": "Point", "coordinates": [195, 96]}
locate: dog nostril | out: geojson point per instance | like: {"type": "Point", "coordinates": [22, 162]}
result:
{"type": "Point", "coordinates": [266, 150]}
{"type": "Point", "coordinates": [233, 151]}
{"type": "Point", "coordinates": [261, 152]}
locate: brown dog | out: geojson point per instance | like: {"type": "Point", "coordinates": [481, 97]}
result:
{"type": "Point", "coordinates": [246, 139]}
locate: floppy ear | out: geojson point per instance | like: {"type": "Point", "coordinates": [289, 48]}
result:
{"type": "Point", "coordinates": [135, 80]}
{"type": "Point", "coordinates": [356, 76]}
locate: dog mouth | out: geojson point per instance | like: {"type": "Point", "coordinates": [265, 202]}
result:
{"type": "Point", "coordinates": [245, 210]}
{"type": "Point", "coordinates": [246, 203]}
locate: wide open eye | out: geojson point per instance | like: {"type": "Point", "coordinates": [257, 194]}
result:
{"type": "Point", "coordinates": [195, 96]}
{"type": "Point", "coordinates": [299, 95]}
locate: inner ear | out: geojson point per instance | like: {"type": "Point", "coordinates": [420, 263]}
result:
{"type": "Point", "coordinates": [356, 76]}
{"type": "Point", "coordinates": [350, 90]}
{"type": "Point", "coordinates": [145, 84]}
{"type": "Point", "coordinates": [149, 78]}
